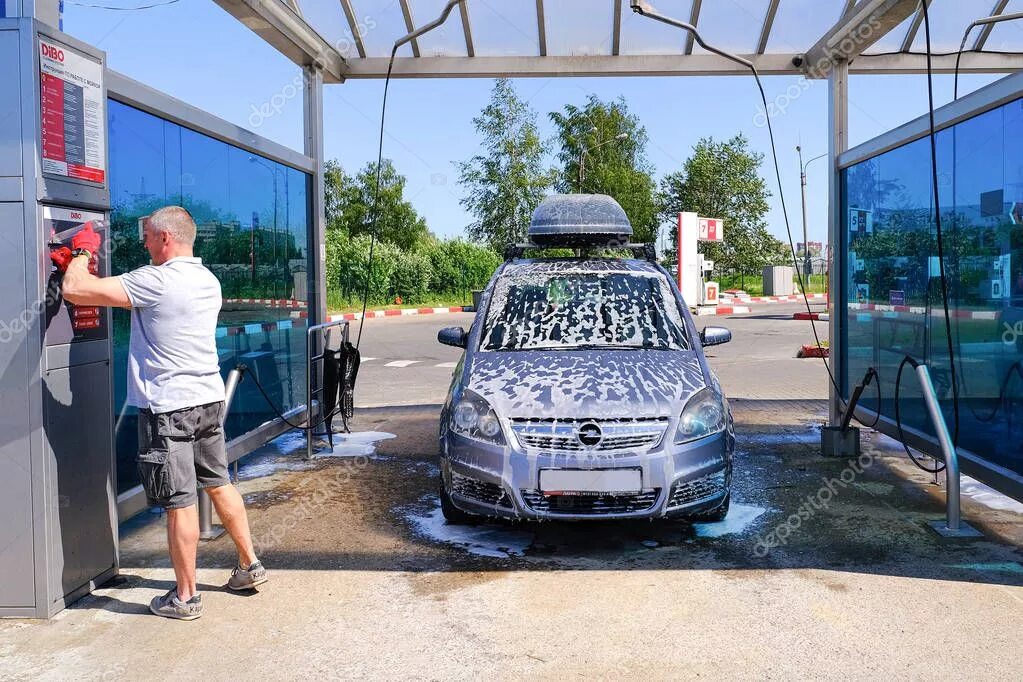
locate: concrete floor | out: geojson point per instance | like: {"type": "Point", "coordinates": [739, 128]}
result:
{"type": "Point", "coordinates": [824, 569]}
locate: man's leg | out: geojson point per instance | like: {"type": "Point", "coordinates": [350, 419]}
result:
{"type": "Point", "coordinates": [231, 510]}
{"type": "Point", "coordinates": [183, 540]}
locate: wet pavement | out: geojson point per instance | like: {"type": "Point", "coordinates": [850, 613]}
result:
{"type": "Point", "coordinates": [824, 568]}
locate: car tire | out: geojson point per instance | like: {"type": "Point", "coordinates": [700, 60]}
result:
{"type": "Point", "coordinates": [453, 514]}
{"type": "Point", "coordinates": [714, 515]}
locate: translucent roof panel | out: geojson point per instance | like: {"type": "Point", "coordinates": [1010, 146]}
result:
{"type": "Point", "coordinates": [949, 19]}
{"type": "Point", "coordinates": [503, 28]}
{"type": "Point", "coordinates": [448, 39]}
{"type": "Point", "coordinates": [382, 23]}
{"type": "Point", "coordinates": [1006, 36]}
{"type": "Point", "coordinates": [732, 25]}
{"type": "Point", "coordinates": [578, 27]}
{"type": "Point", "coordinates": [798, 24]}
{"type": "Point", "coordinates": [327, 17]}
{"type": "Point", "coordinates": [892, 41]}
{"type": "Point", "coordinates": [641, 35]}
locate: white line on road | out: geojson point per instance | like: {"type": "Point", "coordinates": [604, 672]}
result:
{"type": "Point", "coordinates": [366, 359]}
{"type": "Point", "coordinates": [447, 364]}
{"type": "Point", "coordinates": [401, 363]}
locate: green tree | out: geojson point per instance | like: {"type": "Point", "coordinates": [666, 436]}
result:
{"type": "Point", "coordinates": [611, 145]}
{"type": "Point", "coordinates": [722, 180]}
{"type": "Point", "coordinates": [349, 204]}
{"type": "Point", "coordinates": [505, 183]}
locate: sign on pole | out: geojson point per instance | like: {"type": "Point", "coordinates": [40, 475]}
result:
{"type": "Point", "coordinates": [712, 230]}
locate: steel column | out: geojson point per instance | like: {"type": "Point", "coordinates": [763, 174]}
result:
{"type": "Point", "coordinates": [838, 142]}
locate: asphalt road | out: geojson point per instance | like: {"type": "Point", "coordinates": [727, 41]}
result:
{"type": "Point", "coordinates": [403, 364]}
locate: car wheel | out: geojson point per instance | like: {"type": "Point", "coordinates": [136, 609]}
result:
{"type": "Point", "coordinates": [714, 515]}
{"type": "Point", "coordinates": [453, 514]}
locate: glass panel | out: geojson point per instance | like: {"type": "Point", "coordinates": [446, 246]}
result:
{"type": "Point", "coordinates": [732, 25]}
{"type": "Point", "coordinates": [949, 19]}
{"type": "Point", "coordinates": [329, 20]}
{"type": "Point", "coordinates": [252, 218]}
{"type": "Point", "coordinates": [798, 24]}
{"type": "Point", "coordinates": [641, 35]}
{"type": "Point", "coordinates": [894, 303]}
{"type": "Point", "coordinates": [579, 27]}
{"type": "Point", "coordinates": [1006, 36]}
{"type": "Point", "coordinates": [503, 28]}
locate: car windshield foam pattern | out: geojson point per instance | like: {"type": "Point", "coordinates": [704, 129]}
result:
{"type": "Point", "coordinates": [540, 307]}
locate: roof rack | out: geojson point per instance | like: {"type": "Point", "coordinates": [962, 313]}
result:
{"type": "Point", "coordinates": [645, 251]}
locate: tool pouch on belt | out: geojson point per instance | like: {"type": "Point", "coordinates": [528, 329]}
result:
{"type": "Point", "coordinates": [155, 474]}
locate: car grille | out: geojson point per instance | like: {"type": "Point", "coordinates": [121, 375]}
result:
{"type": "Point", "coordinates": [480, 491]}
{"type": "Point", "coordinates": [595, 505]}
{"type": "Point", "coordinates": [619, 436]}
{"type": "Point", "coordinates": [685, 492]}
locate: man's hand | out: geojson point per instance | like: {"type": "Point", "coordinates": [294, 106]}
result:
{"type": "Point", "coordinates": [88, 239]}
{"type": "Point", "coordinates": [61, 258]}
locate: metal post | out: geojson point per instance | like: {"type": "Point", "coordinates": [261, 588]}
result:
{"type": "Point", "coordinates": [207, 531]}
{"type": "Point", "coordinates": [838, 142]}
{"type": "Point", "coordinates": [952, 526]}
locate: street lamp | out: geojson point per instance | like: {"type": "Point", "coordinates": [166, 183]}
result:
{"type": "Point", "coordinates": [583, 151]}
{"type": "Point", "coordinates": [273, 173]}
{"type": "Point", "coordinates": [807, 265]}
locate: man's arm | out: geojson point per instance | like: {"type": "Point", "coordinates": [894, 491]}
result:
{"type": "Point", "coordinates": [81, 287]}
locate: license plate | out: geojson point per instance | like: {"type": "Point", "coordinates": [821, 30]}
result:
{"type": "Point", "coordinates": [562, 481]}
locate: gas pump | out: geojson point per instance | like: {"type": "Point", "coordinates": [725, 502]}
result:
{"type": "Point", "coordinates": [58, 539]}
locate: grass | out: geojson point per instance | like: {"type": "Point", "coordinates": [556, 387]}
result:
{"type": "Point", "coordinates": [336, 304]}
{"type": "Point", "coordinates": [754, 284]}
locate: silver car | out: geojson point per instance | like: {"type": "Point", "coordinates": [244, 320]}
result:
{"type": "Point", "coordinates": [583, 391]}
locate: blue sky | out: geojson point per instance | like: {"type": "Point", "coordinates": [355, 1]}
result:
{"type": "Point", "coordinates": [196, 52]}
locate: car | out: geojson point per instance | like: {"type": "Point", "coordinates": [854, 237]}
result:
{"type": "Point", "coordinates": [583, 391]}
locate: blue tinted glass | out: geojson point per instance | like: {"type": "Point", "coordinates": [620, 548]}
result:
{"type": "Point", "coordinates": [252, 223]}
{"type": "Point", "coordinates": [894, 302]}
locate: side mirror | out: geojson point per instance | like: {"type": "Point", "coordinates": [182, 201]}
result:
{"type": "Point", "coordinates": [715, 336]}
{"type": "Point", "coordinates": [453, 336]}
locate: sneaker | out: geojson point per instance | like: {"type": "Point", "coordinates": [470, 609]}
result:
{"type": "Point", "coordinates": [169, 606]}
{"type": "Point", "coordinates": [247, 578]}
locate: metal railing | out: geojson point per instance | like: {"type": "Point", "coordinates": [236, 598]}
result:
{"type": "Point", "coordinates": [313, 334]}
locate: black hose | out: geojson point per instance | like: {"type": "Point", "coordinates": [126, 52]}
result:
{"type": "Point", "coordinates": [908, 360]}
{"type": "Point", "coordinates": [280, 414]}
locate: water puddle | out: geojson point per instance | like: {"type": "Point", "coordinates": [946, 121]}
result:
{"type": "Point", "coordinates": [740, 517]}
{"type": "Point", "coordinates": [978, 492]}
{"type": "Point", "coordinates": [484, 539]}
{"type": "Point", "coordinates": [287, 452]}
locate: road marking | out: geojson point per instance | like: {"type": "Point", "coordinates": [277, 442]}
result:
{"type": "Point", "coordinates": [448, 364]}
{"type": "Point", "coordinates": [366, 359]}
{"type": "Point", "coordinates": [401, 363]}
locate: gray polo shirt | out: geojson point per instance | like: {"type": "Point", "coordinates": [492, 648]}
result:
{"type": "Point", "coordinates": [172, 359]}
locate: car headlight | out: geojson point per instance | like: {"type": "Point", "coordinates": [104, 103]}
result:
{"type": "Point", "coordinates": [705, 414]}
{"type": "Point", "coordinates": [473, 417]}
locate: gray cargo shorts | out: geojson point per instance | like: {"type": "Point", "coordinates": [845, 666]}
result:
{"type": "Point", "coordinates": [182, 451]}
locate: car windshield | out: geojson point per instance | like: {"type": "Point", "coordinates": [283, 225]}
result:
{"type": "Point", "coordinates": [537, 309]}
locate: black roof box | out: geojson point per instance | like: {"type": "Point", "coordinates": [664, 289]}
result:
{"type": "Point", "coordinates": [575, 220]}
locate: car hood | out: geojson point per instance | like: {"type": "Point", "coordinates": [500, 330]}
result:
{"type": "Point", "coordinates": [586, 384]}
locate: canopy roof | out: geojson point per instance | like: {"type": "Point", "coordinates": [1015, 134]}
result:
{"type": "Point", "coordinates": [482, 38]}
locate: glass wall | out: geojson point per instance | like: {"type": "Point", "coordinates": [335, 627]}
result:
{"type": "Point", "coordinates": [893, 288]}
{"type": "Point", "coordinates": [252, 216]}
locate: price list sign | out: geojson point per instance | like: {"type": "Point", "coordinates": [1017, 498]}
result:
{"type": "Point", "coordinates": [73, 129]}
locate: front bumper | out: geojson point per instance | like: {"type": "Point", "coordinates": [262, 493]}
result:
{"type": "Point", "coordinates": [677, 480]}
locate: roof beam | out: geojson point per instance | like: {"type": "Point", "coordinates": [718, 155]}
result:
{"type": "Point", "coordinates": [765, 32]}
{"type": "Point", "coordinates": [616, 32]}
{"type": "Point", "coordinates": [410, 25]}
{"type": "Point", "coordinates": [914, 28]}
{"type": "Point", "coordinates": [467, 29]}
{"type": "Point", "coordinates": [541, 28]}
{"type": "Point", "coordinates": [694, 16]}
{"type": "Point", "coordinates": [661, 65]}
{"type": "Point", "coordinates": [287, 32]}
{"type": "Point", "coordinates": [848, 6]}
{"type": "Point", "coordinates": [353, 24]}
{"type": "Point", "coordinates": [864, 25]}
{"type": "Point", "coordinates": [985, 32]}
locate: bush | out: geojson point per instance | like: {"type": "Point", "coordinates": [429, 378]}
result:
{"type": "Point", "coordinates": [410, 277]}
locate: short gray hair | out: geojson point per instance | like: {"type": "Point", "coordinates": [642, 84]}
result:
{"type": "Point", "coordinates": [175, 221]}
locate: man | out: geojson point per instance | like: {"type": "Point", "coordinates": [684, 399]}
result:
{"type": "Point", "coordinates": [174, 380]}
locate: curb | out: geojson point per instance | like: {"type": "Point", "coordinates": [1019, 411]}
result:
{"type": "Point", "coordinates": [778, 299]}
{"type": "Point", "coordinates": [812, 351]}
{"type": "Point", "coordinates": [823, 317]}
{"type": "Point", "coordinates": [271, 302]}
{"type": "Point", "coordinates": [397, 312]}
{"type": "Point", "coordinates": [722, 310]}
{"type": "Point", "coordinates": [890, 310]}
